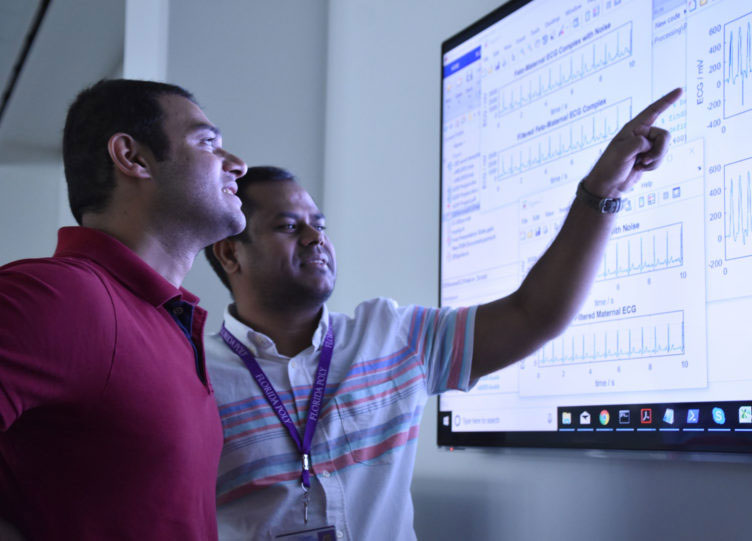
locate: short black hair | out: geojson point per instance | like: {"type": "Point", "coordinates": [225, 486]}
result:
{"type": "Point", "coordinates": [98, 112]}
{"type": "Point", "coordinates": [254, 175]}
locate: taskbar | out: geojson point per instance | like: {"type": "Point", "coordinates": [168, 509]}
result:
{"type": "Point", "coordinates": [691, 417]}
{"type": "Point", "coordinates": [724, 426]}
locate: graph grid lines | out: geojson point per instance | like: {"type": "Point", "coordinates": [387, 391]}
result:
{"type": "Point", "coordinates": [592, 57]}
{"type": "Point", "coordinates": [737, 80]}
{"type": "Point", "coordinates": [630, 338]}
{"type": "Point", "coordinates": [583, 132]}
{"type": "Point", "coordinates": [738, 209]}
{"type": "Point", "coordinates": [647, 251]}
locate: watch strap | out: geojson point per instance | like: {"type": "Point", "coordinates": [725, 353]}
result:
{"type": "Point", "coordinates": [604, 205]}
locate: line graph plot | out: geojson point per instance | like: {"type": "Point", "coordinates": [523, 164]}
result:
{"type": "Point", "coordinates": [646, 251]}
{"type": "Point", "coordinates": [738, 209]}
{"type": "Point", "coordinates": [632, 338]}
{"type": "Point", "coordinates": [737, 80]}
{"type": "Point", "coordinates": [574, 136]}
{"type": "Point", "coordinates": [592, 57]}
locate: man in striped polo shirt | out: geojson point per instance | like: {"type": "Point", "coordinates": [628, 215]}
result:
{"type": "Point", "coordinates": [320, 410]}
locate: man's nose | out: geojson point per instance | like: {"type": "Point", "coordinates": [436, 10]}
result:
{"type": "Point", "coordinates": [233, 164]}
{"type": "Point", "coordinates": [312, 235]}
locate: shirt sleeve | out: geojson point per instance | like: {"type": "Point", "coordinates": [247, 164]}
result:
{"type": "Point", "coordinates": [444, 340]}
{"type": "Point", "coordinates": [54, 319]}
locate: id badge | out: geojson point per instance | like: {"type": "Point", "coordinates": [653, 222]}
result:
{"type": "Point", "coordinates": [325, 533]}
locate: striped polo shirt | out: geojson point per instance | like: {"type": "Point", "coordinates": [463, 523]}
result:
{"type": "Point", "coordinates": [387, 360]}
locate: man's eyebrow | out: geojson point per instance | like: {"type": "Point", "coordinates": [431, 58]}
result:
{"type": "Point", "coordinates": [201, 126]}
{"type": "Point", "coordinates": [295, 216]}
{"type": "Point", "coordinates": [285, 214]}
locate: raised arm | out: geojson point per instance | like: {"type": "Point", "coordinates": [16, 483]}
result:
{"type": "Point", "coordinates": [509, 329]}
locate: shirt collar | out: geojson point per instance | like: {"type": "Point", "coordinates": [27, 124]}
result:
{"type": "Point", "coordinates": [260, 344]}
{"type": "Point", "coordinates": [323, 327]}
{"type": "Point", "coordinates": [120, 261]}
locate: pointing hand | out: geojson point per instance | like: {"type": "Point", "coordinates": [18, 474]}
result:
{"type": "Point", "coordinates": [638, 147]}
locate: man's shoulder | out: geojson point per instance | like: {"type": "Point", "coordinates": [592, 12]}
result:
{"type": "Point", "coordinates": [52, 268]}
{"type": "Point", "coordinates": [53, 280]}
{"type": "Point", "coordinates": [382, 308]}
{"type": "Point", "coordinates": [55, 315]}
{"type": "Point", "coordinates": [377, 317]}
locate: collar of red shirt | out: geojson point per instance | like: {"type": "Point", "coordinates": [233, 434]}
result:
{"type": "Point", "coordinates": [121, 262]}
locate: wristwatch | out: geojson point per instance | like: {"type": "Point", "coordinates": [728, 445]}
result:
{"type": "Point", "coordinates": [604, 205]}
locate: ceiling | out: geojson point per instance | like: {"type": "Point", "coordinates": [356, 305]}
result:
{"type": "Point", "coordinates": [16, 18]}
{"type": "Point", "coordinates": [78, 43]}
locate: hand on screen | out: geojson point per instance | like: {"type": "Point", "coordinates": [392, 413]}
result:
{"type": "Point", "coordinates": [638, 147]}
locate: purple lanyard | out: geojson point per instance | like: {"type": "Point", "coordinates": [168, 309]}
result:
{"type": "Point", "coordinates": [317, 394]}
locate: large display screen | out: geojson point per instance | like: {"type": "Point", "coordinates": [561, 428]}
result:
{"type": "Point", "coordinates": [660, 354]}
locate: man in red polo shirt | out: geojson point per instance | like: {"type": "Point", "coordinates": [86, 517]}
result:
{"type": "Point", "coordinates": [108, 425]}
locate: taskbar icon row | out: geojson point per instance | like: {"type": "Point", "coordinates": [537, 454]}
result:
{"type": "Point", "coordinates": [686, 417]}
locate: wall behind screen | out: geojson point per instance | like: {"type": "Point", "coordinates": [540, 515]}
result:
{"type": "Point", "coordinates": [381, 194]}
{"type": "Point", "coordinates": [258, 70]}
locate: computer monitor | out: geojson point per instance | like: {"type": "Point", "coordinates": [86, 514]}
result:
{"type": "Point", "coordinates": [660, 354]}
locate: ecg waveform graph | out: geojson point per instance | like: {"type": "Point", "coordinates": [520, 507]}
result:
{"type": "Point", "coordinates": [737, 81]}
{"type": "Point", "coordinates": [585, 131]}
{"type": "Point", "coordinates": [640, 337]}
{"type": "Point", "coordinates": [738, 209]}
{"type": "Point", "coordinates": [595, 55]}
{"type": "Point", "coordinates": [645, 251]}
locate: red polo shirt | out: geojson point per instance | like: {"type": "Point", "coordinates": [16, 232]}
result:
{"type": "Point", "coordinates": [108, 425]}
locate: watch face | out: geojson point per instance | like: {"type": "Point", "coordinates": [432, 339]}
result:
{"type": "Point", "coordinates": [610, 205]}
{"type": "Point", "coordinates": [604, 205]}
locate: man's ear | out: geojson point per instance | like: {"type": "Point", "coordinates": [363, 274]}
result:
{"type": "Point", "coordinates": [128, 155]}
{"type": "Point", "coordinates": [224, 251]}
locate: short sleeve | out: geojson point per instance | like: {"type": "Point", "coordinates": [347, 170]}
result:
{"type": "Point", "coordinates": [57, 335]}
{"type": "Point", "coordinates": [443, 338]}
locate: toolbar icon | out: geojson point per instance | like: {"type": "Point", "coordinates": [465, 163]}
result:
{"type": "Point", "coordinates": [693, 416]}
{"type": "Point", "coordinates": [745, 414]}
{"type": "Point", "coordinates": [646, 416]}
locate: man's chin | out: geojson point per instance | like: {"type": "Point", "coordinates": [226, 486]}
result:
{"type": "Point", "coordinates": [319, 293]}
{"type": "Point", "coordinates": [237, 224]}
{"type": "Point", "coordinates": [322, 295]}
{"type": "Point", "coordinates": [299, 292]}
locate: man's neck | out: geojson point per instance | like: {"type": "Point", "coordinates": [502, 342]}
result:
{"type": "Point", "coordinates": [291, 329]}
{"type": "Point", "coordinates": [165, 255]}
{"type": "Point", "coordinates": [170, 260]}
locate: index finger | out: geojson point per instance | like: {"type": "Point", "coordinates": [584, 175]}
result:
{"type": "Point", "coordinates": [651, 113]}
